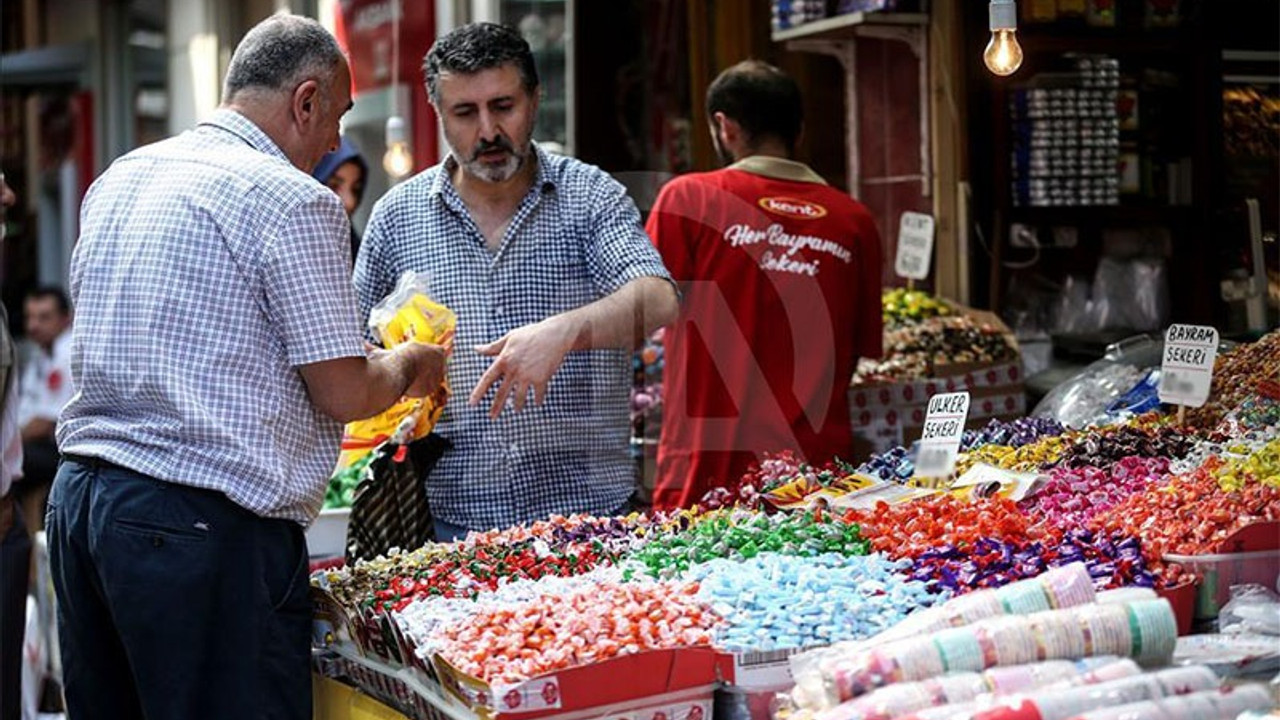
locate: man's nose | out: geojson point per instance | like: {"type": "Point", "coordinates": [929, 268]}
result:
{"type": "Point", "coordinates": [489, 127]}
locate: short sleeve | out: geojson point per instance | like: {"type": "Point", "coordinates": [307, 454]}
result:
{"type": "Point", "coordinates": [622, 251]}
{"type": "Point", "coordinates": [374, 277]}
{"type": "Point", "coordinates": [307, 282]}
{"type": "Point", "coordinates": [671, 231]}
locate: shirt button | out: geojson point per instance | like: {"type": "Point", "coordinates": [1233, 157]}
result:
{"type": "Point", "coordinates": [157, 541]}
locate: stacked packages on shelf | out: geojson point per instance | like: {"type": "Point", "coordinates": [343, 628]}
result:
{"type": "Point", "coordinates": [866, 592]}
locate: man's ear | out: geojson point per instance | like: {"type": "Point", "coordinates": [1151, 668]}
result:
{"type": "Point", "coordinates": [306, 102]}
{"type": "Point", "coordinates": [728, 128]}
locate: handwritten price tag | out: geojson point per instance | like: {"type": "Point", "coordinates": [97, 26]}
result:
{"type": "Point", "coordinates": [943, 426]}
{"type": "Point", "coordinates": [915, 246]}
{"type": "Point", "coordinates": [1186, 370]}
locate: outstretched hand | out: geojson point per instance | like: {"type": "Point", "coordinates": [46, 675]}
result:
{"type": "Point", "coordinates": [524, 360]}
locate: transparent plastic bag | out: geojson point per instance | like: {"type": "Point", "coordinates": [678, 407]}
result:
{"type": "Point", "coordinates": [1130, 294]}
{"type": "Point", "coordinates": [1085, 399]}
{"type": "Point", "coordinates": [1252, 609]}
{"type": "Point", "coordinates": [408, 313]}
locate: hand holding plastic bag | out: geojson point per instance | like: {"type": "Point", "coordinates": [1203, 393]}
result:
{"type": "Point", "coordinates": [407, 314]}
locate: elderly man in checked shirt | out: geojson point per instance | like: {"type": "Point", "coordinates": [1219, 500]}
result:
{"type": "Point", "coordinates": [553, 279]}
{"type": "Point", "coordinates": [216, 354]}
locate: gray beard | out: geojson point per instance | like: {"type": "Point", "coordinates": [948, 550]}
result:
{"type": "Point", "coordinates": [500, 173]}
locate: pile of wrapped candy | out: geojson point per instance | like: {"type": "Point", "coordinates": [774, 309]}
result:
{"type": "Point", "coordinates": [744, 573]}
{"type": "Point", "coordinates": [507, 606]}
{"type": "Point", "coordinates": [923, 331]}
{"type": "Point", "coordinates": [901, 306]}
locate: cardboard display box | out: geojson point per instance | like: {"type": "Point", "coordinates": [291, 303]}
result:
{"type": "Point", "coordinates": [622, 681]}
{"type": "Point", "coordinates": [657, 685]}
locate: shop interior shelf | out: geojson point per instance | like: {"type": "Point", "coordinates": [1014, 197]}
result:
{"type": "Point", "coordinates": [1105, 41]}
{"type": "Point", "coordinates": [1102, 215]}
{"type": "Point", "coordinates": [843, 27]}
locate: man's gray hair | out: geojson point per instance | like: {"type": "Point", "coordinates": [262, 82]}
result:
{"type": "Point", "coordinates": [281, 52]}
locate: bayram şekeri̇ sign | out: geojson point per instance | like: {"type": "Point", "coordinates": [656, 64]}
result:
{"type": "Point", "coordinates": [1186, 369]}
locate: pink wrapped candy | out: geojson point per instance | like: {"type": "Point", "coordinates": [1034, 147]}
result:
{"type": "Point", "coordinates": [1073, 496]}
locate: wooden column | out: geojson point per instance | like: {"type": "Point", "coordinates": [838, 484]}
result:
{"type": "Point", "coordinates": [949, 141]}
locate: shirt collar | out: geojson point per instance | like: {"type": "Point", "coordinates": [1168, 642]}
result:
{"type": "Point", "coordinates": [778, 169]}
{"type": "Point", "coordinates": [245, 129]}
{"type": "Point", "coordinates": [544, 178]}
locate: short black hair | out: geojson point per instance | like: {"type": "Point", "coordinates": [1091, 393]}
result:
{"type": "Point", "coordinates": [761, 98]}
{"type": "Point", "coordinates": [52, 291]}
{"type": "Point", "coordinates": [475, 47]}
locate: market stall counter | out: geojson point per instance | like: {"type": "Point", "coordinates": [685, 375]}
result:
{"type": "Point", "coordinates": [1052, 558]}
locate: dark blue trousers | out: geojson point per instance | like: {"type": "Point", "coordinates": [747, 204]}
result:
{"type": "Point", "coordinates": [174, 603]}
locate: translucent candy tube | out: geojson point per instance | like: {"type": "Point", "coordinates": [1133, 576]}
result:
{"type": "Point", "coordinates": [1063, 587]}
{"type": "Point", "coordinates": [1144, 630]}
{"type": "Point", "coordinates": [1223, 704]}
{"type": "Point", "coordinates": [895, 700]}
{"type": "Point", "coordinates": [1064, 703]}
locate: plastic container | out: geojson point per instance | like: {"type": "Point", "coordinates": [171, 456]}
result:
{"type": "Point", "coordinates": [1217, 573]}
{"type": "Point", "coordinates": [327, 536]}
{"type": "Point", "coordinates": [1183, 600]}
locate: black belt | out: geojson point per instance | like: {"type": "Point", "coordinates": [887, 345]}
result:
{"type": "Point", "coordinates": [96, 463]}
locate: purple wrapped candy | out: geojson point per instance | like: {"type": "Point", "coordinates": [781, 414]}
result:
{"type": "Point", "coordinates": [1111, 562]}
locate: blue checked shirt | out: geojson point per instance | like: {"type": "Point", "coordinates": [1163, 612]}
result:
{"type": "Point", "coordinates": [575, 238]}
{"type": "Point", "coordinates": [208, 269]}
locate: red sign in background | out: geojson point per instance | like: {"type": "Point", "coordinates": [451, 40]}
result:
{"type": "Point", "coordinates": [365, 29]}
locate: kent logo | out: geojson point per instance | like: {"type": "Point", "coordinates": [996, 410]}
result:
{"type": "Point", "coordinates": [793, 207]}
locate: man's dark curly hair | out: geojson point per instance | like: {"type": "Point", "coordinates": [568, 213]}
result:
{"type": "Point", "coordinates": [475, 47]}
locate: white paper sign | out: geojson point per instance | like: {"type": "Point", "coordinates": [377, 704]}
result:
{"type": "Point", "coordinates": [915, 246]}
{"type": "Point", "coordinates": [1186, 370]}
{"type": "Point", "coordinates": [943, 426]}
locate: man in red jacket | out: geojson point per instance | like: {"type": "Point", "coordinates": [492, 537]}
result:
{"type": "Point", "coordinates": [781, 280]}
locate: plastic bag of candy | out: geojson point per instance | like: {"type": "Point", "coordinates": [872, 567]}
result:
{"type": "Point", "coordinates": [408, 313]}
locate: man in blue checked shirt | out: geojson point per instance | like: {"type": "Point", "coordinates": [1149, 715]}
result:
{"type": "Point", "coordinates": [217, 352]}
{"type": "Point", "coordinates": [553, 280]}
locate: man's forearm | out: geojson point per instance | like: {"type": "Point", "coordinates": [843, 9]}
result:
{"type": "Point", "coordinates": [625, 318]}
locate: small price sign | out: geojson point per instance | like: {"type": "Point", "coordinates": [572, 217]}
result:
{"type": "Point", "coordinates": [1186, 370]}
{"type": "Point", "coordinates": [915, 246]}
{"type": "Point", "coordinates": [943, 426]}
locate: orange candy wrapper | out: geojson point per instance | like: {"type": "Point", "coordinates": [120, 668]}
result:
{"type": "Point", "coordinates": [408, 313]}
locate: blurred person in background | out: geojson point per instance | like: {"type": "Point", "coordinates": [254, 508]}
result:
{"type": "Point", "coordinates": [15, 543]}
{"type": "Point", "coordinates": [345, 172]}
{"type": "Point", "coordinates": [44, 389]}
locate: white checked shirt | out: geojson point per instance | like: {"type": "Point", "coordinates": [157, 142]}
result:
{"type": "Point", "coordinates": [208, 269]}
{"type": "Point", "coordinates": [575, 238]}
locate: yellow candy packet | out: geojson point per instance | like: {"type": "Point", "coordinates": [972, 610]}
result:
{"type": "Point", "coordinates": [408, 313]}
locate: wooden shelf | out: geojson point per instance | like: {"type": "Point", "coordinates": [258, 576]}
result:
{"type": "Point", "coordinates": [1093, 215]}
{"type": "Point", "coordinates": [1103, 41]}
{"type": "Point", "coordinates": [846, 26]}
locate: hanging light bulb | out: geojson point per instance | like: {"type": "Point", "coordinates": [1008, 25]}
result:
{"type": "Point", "coordinates": [398, 161]}
{"type": "Point", "coordinates": [1003, 55]}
